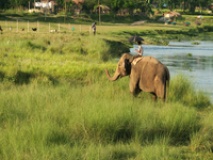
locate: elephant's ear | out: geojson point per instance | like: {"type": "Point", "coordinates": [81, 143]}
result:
{"type": "Point", "coordinates": [127, 66]}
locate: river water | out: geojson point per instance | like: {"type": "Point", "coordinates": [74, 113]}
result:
{"type": "Point", "coordinates": [192, 59]}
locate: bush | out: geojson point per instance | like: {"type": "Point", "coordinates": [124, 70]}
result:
{"type": "Point", "coordinates": [202, 140]}
{"type": "Point", "coordinates": [181, 90]}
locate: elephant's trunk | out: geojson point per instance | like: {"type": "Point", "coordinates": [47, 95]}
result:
{"type": "Point", "coordinates": [115, 76]}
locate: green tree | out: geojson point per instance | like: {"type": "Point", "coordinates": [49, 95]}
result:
{"type": "Point", "coordinates": [192, 4]}
{"type": "Point", "coordinates": [60, 3]}
{"type": "Point", "coordinates": [147, 7]}
{"type": "Point", "coordinates": [205, 3]}
{"type": "Point", "coordinates": [116, 5]}
{"type": "Point", "coordinates": [129, 4]}
{"type": "Point", "coordinates": [18, 3]}
{"type": "Point", "coordinates": [4, 4]}
{"type": "Point", "coordinates": [89, 5]}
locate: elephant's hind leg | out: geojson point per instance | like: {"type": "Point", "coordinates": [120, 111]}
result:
{"type": "Point", "coordinates": [159, 89]}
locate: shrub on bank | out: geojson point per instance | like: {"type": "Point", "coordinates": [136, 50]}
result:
{"type": "Point", "coordinates": [181, 89]}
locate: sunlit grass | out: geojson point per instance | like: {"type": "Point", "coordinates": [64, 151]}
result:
{"type": "Point", "coordinates": [39, 119]}
{"type": "Point", "coordinates": [56, 102]}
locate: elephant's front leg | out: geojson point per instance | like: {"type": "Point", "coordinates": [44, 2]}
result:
{"type": "Point", "coordinates": [134, 87]}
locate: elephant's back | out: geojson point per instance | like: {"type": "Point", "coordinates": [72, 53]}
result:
{"type": "Point", "coordinates": [153, 67]}
{"type": "Point", "coordinates": [150, 59]}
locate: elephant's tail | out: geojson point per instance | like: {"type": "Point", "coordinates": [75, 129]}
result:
{"type": "Point", "coordinates": [166, 83]}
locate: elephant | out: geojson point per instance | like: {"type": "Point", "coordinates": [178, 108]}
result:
{"type": "Point", "coordinates": [146, 74]}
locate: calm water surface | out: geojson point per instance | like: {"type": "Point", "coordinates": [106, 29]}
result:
{"type": "Point", "coordinates": [193, 61]}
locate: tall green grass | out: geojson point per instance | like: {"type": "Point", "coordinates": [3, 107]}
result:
{"type": "Point", "coordinates": [56, 103]}
{"type": "Point", "coordinates": [183, 90]}
{"type": "Point", "coordinates": [51, 58]}
{"type": "Point", "coordinates": [97, 121]}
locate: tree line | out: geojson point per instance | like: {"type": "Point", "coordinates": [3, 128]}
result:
{"type": "Point", "coordinates": [88, 6]}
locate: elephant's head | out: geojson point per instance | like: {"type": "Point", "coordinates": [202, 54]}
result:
{"type": "Point", "coordinates": [123, 67]}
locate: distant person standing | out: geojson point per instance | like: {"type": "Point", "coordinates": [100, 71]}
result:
{"type": "Point", "coordinates": [1, 29]}
{"type": "Point", "coordinates": [198, 20]}
{"type": "Point", "coordinates": [94, 28]}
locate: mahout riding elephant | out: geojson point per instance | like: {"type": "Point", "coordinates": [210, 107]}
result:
{"type": "Point", "coordinates": [146, 74]}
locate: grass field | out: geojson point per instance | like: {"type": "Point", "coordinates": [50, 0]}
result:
{"type": "Point", "coordinates": [56, 102]}
{"type": "Point", "coordinates": [102, 121]}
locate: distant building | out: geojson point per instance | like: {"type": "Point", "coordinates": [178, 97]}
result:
{"type": "Point", "coordinates": [103, 9]}
{"type": "Point", "coordinates": [46, 6]}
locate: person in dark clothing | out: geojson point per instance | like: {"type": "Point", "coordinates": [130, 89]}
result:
{"type": "Point", "coordinates": [1, 29]}
{"type": "Point", "coordinates": [94, 28]}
